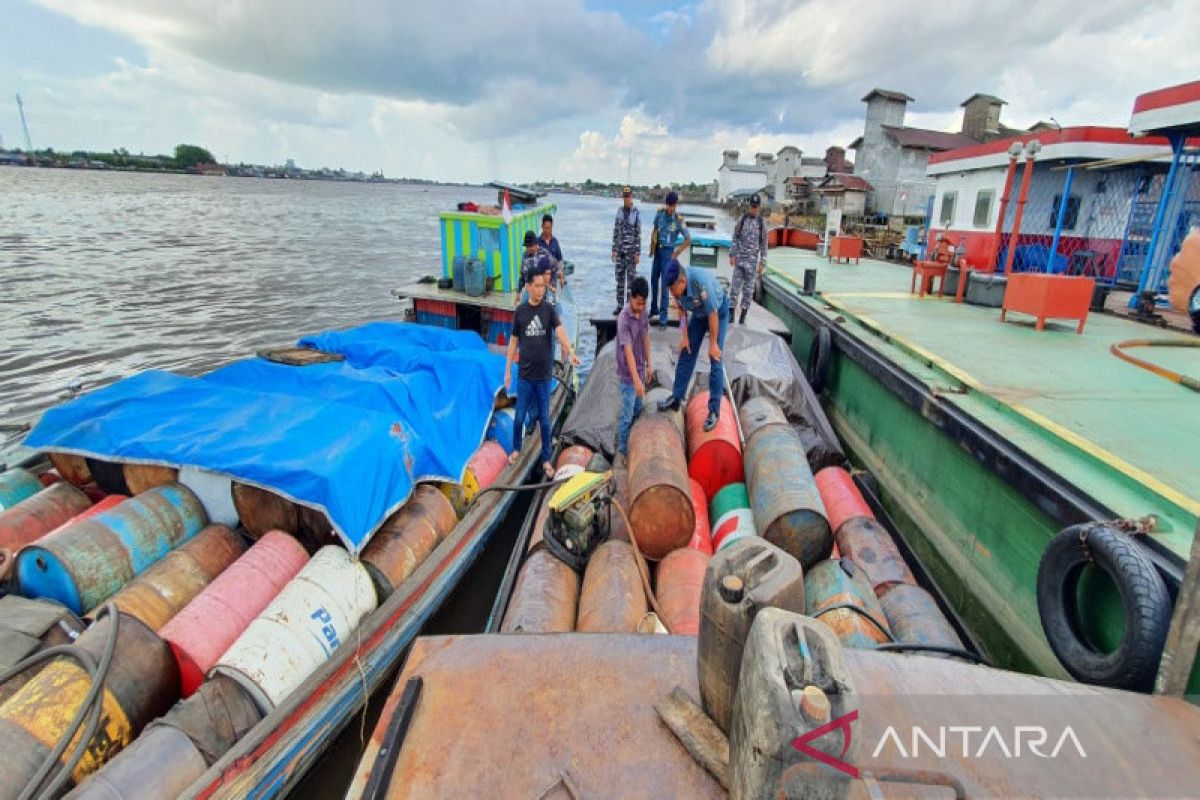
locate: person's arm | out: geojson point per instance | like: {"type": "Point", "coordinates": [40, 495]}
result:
{"type": "Point", "coordinates": [631, 362]}
{"type": "Point", "coordinates": [509, 359]}
{"type": "Point", "coordinates": [561, 333]}
{"type": "Point", "coordinates": [714, 328]}
{"type": "Point", "coordinates": [649, 370]}
{"type": "Point", "coordinates": [687, 240]}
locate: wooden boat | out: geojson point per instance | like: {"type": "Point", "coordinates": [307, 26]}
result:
{"type": "Point", "coordinates": [273, 754]}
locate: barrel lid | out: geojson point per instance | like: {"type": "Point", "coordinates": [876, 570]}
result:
{"type": "Point", "coordinates": [300, 356]}
{"type": "Point", "coordinates": [40, 573]}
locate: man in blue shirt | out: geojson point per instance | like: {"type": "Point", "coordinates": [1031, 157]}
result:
{"type": "Point", "coordinates": [705, 310]}
{"type": "Point", "coordinates": [548, 243]}
{"type": "Point", "coordinates": [664, 246]}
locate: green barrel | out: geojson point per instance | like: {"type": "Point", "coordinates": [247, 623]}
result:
{"type": "Point", "coordinates": [732, 516]}
{"type": "Point", "coordinates": [17, 484]}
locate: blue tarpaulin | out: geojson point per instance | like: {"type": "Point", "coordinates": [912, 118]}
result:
{"type": "Point", "coordinates": [349, 438]}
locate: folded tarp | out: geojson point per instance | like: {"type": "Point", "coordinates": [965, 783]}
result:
{"type": "Point", "coordinates": [349, 438]}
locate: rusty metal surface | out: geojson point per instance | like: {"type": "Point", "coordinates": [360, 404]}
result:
{"type": "Point", "coordinates": [868, 544]}
{"type": "Point", "coordinates": [679, 580]}
{"type": "Point", "coordinates": [260, 510]}
{"type": "Point", "coordinates": [394, 553]}
{"type": "Point", "coordinates": [73, 468]}
{"type": "Point", "coordinates": [788, 511]}
{"type": "Point", "coordinates": [576, 455]}
{"type": "Point", "coordinates": [215, 717]}
{"type": "Point", "coordinates": [758, 412]}
{"type": "Point", "coordinates": [612, 599]}
{"type": "Point", "coordinates": [428, 502]}
{"type": "Point", "coordinates": [659, 488]}
{"type": "Point", "coordinates": [545, 598]}
{"type": "Point", "coordinates": [833, 585]}
{"type": "Point", "coordinates": [144, 477]}
{"type": "Point", "coordinates": [509, 716]}
{"type": "Point", "coordinates": [915, 618]}
{"type": "Point", "coordinates": [159, 765]}
{"type": "Point", "coordinates": [34, 517]}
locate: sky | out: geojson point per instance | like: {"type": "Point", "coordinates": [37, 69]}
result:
{"type": "Point", "coordinates": [525, 90]}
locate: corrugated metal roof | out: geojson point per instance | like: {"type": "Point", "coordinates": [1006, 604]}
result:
{"type": "Point", "coordinates": [927, 139]}
{"type": "Point", "coordinates": [888, 94]}
{"type": "Point", "coordinates": [839, 182]}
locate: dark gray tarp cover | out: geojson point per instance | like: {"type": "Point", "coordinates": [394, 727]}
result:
{"type": "Point", "coordinates": [757, 363]}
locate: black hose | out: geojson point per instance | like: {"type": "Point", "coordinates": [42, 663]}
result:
{"type": "Point", "coordinates": [884, 629]}
{"type": "Point", "coordinates": [935, 648]}
{"type": "Point", "coordinates": [525, 487]}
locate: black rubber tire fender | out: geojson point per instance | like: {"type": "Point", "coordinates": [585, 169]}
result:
{"type": "Point", "coordinates": [1133, 665]}
{"type": "Point", "coordinates": [819, 355]}
{"type": "Point", "coordinates": [1194, 309]}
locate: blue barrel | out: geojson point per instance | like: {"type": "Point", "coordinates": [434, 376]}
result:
{"type": "Point", "coordinates": [18, 484]}
{"type": "Point", "coordinates": [460, 273]}
{"type": "Point", "coordinates": [84, 563]}
{"type": "Point", "coordinates": [476, 280]}
{"type": "Point", "coordinates": [500, 429]}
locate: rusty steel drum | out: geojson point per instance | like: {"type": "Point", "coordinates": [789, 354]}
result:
{"type": "Point", "coordinates": [206, 627]}
{"type": "Point", "coordinates": [715, 457]}
{"type": "Point", "coordinates": [702, 533]}
{"type": "Point", "coordinates": [395, 553]}
{"type": "Point", "coordinates": [261, 510]}
{"type": "Point", "coordinates": [661, 494]}
{"type": "Point", "coordinates": [679, 581]}
{"type": "Point", "coordinates": [731, 516]}
{"type": "Point", "coordinates": [72, 468]}
{"type": "Point", "coordinates": [159, 593]}
{"type": "Point", "coordinates": [32, 518]}
{"type": "Point", "coordinates": [758, 412]}
{"type": "Point", "coordinates": [17, 485]}
{"type": "Point", "coordinates": [576, 454]}
{"type": "Point", "coordinates": [620, 495]}
{"type": "Point", "coordinates": [143, 477]}
{"type": "Point", "coordinates": [915, 618]}
{"type": "Point", "coordinates": [650, 410]}
{"type": "Point", "coordinates": [843, 501]}
{"type": "Point", "coordinates": [82, 564]}
{"type": "Point", "coordinates": [868, 544]}
{"type": "Point", "coordinates": [28, 627]}
{"type": "Point", "coordinates": [830, 587]}
{"type": "Point", "coordinates": [313, 529]}
{"type": "Point", "coordinates": [545, 598]}
{"type": "Point", "coordinates": [612, 599]}
{"type": "Point", "coordinates": [783, 495]}
{"type": "Point", "coordinates": [426, 501]}
{"type": "Point", "coordinates": [142, 683]}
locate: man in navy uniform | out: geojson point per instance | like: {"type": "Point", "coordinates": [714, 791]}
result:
{"type": "Point", "coordinates": [705, 311]}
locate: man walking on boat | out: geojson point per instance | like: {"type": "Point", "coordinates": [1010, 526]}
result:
{"type": "Point", "coordinates": [664, 247]}
{"type": "Point", "coordinates": [704, 311]}
{"type": "Point", "coordinates": [548, 243]}
{"type": "Point", "coordinates": [633, 359]}
{"type": "Point", "coordinates": [626, 244]}
{"type": "Point", "coordinates": [748, 257]}
{"type": "Point", "coordinates": [534, 322]}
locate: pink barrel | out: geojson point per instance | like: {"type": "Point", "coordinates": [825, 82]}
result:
{"type": "Point", "coordinates": [206, 627]}
{"type": "Point", "coordinates": [487, 463]}
{"type": "Point", "coordinates": [701, 534]}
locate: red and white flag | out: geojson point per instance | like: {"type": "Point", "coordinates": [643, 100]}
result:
{"type": "Point", "coordinates": [506, 212]}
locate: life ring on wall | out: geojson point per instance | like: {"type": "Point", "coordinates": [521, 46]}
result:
{"type": "Point", "coordinates": [819, 355]}
{"type": "Point", "coordinates": [1146, 603]}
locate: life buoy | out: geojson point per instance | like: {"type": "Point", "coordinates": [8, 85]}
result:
{"type": "Point", "coordinates": [1145, 601]}
{"type": "Point", "coordinates": [818, 359]}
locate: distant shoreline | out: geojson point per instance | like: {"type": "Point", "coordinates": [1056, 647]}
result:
{"type": "Point", "coordinates": [284, 177]}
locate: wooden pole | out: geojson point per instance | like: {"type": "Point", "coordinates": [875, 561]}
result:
{"type": "Point", "coordinates": [1179, 653]}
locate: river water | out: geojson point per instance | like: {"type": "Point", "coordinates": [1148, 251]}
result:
{"type": "Point", "coordinates": [103, 275]}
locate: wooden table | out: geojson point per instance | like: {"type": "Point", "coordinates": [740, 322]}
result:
{"type": "Point", "coordinates": [1048, 297]}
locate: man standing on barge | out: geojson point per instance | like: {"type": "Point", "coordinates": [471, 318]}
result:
{"type": "Point", "coordinates": [626, 244]}
{"type": "Point", "coordinates": [748, 257]}
{"type": "Point", "coordinates": [665, 247]}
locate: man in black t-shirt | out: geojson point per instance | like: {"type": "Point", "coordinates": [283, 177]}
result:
{"type": "Point", "coordinates": [534, 322]}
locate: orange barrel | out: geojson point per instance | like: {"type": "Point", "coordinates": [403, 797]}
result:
{"type": "Point", "coordinates": [576, 454]}
{"type": "Point", "coordinates": [159, 593]}
{"type": "Point", "coordinates": [732, 516]}
{"type": "Point", "coordinates": [215, 492]}
{"type": "Point", "coordinates": [262, 510]}
{"type": "Point", "coordinates": [314, 615]}
{"type": "Point", "coordinates": [612, 600]}
{"type": "Point", "coordinates": [73, 468]}
{"type": "Point", "coordinates": [108, 475]}
{"type": "Point", "coordinates": [174, 751]}
{"type": "Point", "coordinates": [715, 457]}
{"type": "Point", "coordinates": [143, 477]}
{"type": "Point", "coordinates": [702, 533]}
{"type": "Point", "coordinates": [29, 520]}
{"type": "Point", "coordinates": [30, 626]}
{"type": "Point", "coordinates": [205, 628]}
{"type": "Point", "coordinates": [141, 684]}
{"type": "Point", "coordinates": [840, 595]}
{"type": "Point", "coordinates": [915, 618]}
{"type": "Point", "coordinates": [841, 497]}
{"type": "Point", "coordinates": [17, 484]}
{"type": "Point", "coordinates": [787, 507]}
{"type": "Point", "coordinates": [82, 564]}
{"type": "Point", "coordinates": [481, 472]}
{"type": "Point", "coordinates": [758, 413]}
{"type": "Point", "coordinates": [868, 544]}
{"type": "Point", "coordinates": [680, 579]}
{"type": "Point", "coordinates": [661, 508]}
{"type": "Point", "coordinates": [394, 553]}
{"type": "Point", "coordinates": [545, 597]}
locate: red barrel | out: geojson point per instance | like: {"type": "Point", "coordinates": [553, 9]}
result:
{"type": "Point", "coordinates": [702, 533]}
{"type": "Point", "coordinates": [206, 627]}
{"type": "Point", "coordinates": [680, 579]}
{"type": "Point", "coordinates": [487, 464]}
{"type": "Point", "coordinates": [841, 497]}
{"type": "Point", "coordinates": [715, 457]}
{"type": "Point", "coordinates": [577, 455]}
{"type": "Point", "coordinates": [34, 517]}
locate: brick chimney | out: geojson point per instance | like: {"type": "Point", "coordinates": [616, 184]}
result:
{"type": "Point", "coordinates": [981, 116]}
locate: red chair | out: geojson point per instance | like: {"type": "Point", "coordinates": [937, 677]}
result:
{"type": "Point", "coordinates": [924, 271]}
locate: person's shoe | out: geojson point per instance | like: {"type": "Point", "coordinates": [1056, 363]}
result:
{"type": "Point", "coordinates": [710, 421]}
{"type": "Point", "coordinates": [548, 468]}
{"type": "Point", "coordinates": [654, 320]}
{"type": "Point", "coordinates": [742, 317]}
{"type": "Point", "coordinates": [670, 404]}
{"type": "Point", "coordinates": [731, 316]}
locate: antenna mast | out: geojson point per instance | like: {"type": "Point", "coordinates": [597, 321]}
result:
{"type": "Point", "coordinates": [24, 125]}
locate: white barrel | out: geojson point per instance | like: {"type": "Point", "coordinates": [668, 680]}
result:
{"type": "Point", "coordinates": [315, 614]}
{"type": "Point", "coordinates": [215, 493]}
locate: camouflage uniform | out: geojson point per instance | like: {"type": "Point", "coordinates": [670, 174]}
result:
{"type": "Point", "coordinates": [749, 250]}
{"type": "Point", "coordinates": [626, 242]}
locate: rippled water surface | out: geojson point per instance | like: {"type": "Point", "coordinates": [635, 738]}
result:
{"type": "Point", "coordinates": [106, 274]}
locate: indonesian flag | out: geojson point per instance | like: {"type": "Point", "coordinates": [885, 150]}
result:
{"type": "Point", "coordinates": [506, 212]}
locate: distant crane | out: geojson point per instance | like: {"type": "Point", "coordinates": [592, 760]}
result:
{"type": "Point", "coordinates": [24, 125]}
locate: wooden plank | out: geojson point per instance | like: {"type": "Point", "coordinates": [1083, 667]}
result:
{"type": "Point", "coordinates": [1179, 653]}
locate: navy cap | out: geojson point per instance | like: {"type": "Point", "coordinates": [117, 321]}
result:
{"type": "Point", "coordinates": [672, 198]}
{"type": "Point", "coordinates": [530, 238]}
{"type": "Point", "coordinates": [754, 201]}
{"type": "Point", "coordinates": [671, 273]}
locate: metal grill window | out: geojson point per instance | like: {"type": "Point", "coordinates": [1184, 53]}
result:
{"type": "Point", "coordinates": [1071, 217]}
{"type": "Point", "coordinates": [948, 200]}
{"type": "Point", "coordinates": [983, 207]}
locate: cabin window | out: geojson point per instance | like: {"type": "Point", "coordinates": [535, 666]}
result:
{"type": "Point", "coordinates": [983, 207]}
{"type": "Point", "coordinates": [948, 200]}
{"type": "Point", "coordinates": [1072, 215]}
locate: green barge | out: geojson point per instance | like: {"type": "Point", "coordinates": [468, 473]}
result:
{"type": "Point", "coordinates": [987, 438]}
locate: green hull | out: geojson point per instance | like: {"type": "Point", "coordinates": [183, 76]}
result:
{"type": "Point", "coordinates": [988, 438]}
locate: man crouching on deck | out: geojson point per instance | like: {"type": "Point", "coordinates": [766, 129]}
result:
{"type": "Point", "coordinates": [534, 322]}
{"type": "Point", "coordinates": [705, 310]}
